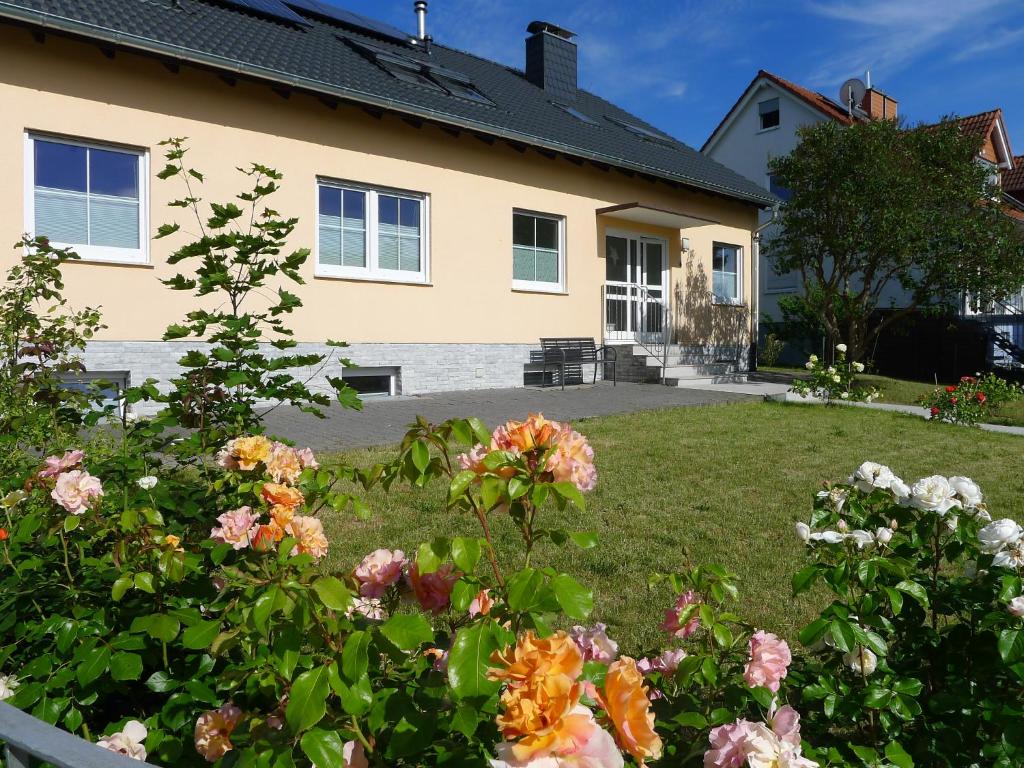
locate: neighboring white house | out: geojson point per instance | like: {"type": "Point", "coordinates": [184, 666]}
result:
{"type": "Point", "coordinates": [763, 125]}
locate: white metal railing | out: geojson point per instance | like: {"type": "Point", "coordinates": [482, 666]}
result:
{"type": "Point", "coordinates": [636, 313]}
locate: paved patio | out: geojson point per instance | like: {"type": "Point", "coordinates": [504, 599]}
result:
{"type": "Point", "coordinates": [384, 422]}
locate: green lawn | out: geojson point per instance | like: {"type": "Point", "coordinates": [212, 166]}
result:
{"type": "Point", "coordinates": [910, 393]}
{"type": "Point", "coordinates": [697, 485]}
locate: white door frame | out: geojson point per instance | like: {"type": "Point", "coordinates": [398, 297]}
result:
{"type": "Point", "coordinates": [627, 290]}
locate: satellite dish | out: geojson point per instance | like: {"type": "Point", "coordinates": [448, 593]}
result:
{"type": "Point", "coordinates": [851, 93]}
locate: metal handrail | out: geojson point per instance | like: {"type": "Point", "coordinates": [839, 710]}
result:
{"type": "Point", "coordinates": [638, 294]}
{"type": "Point", "coordinates": [29, 740]}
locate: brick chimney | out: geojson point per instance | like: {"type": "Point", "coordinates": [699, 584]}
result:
{"type": "Point", "coordinates": [878, 106]}
{"type": "Point", "coordinates": [551, 60]}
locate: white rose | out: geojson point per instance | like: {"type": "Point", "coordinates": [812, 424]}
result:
{"type": "Point", "coordinates": [129, 742]}
{"type": "Point", "coordinates": [862, 539]}
{"type": "Point", "coordinates": [813, 359]}
{"type": "Point", "coordinates": [840, 347]}
{"type": "Point", "coordinates": [951, 522]}
{"type": "Point", "coordinates": [131, 417]}
{"type": "Point", "coordinates": [1016, 607]}
{"type": "Point", "coordinates": [845, 395]}
{"type": "Point", "coordinates": [841, 525]}
{"type": "Point", "coordinates": [829, 537]}
{"type": "Point", "coordinates": [883, 535]}
{"type": "Point", "coordinates": [831, 369]}
{"type": "Point", "coordinates": [803, 532]}
{"type": "Point", "coordinates": [8, 683]}
{"type": "Point", "coordinates": [858, 367]}
{"type": "Point", "coordinates": [861, 660]}
{"type": "Point", "coordinates": [1009, 558]}
{"type": "Point", "coordinates": [837, 378]}
{"type": "Point", "coordinates": [146, 483]}
{"type": "Point", "coordinates": [967, 491]}
{"type": "Point", "coordinates": [999, 535]}
{"type": "Point", "coordinates": [933, 494]}
{"type": "Point", "coordinates": [901, 491]}
{"type": "Point", "coordinates": [836, 497]}
{"type": "Point", "coordinates": [870, 475]}
{"type": "Point", "coordinates": [809, 366]}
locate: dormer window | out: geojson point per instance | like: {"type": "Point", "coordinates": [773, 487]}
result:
{"type": "Point", "coordinates": [769, 113]}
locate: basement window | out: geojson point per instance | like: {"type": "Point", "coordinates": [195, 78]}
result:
{"type": "Point", "coordinates": [372, 382]}
{"type": "Point", "coordinates": [109, 386]}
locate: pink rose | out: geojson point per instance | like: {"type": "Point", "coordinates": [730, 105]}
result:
{"type": "Point", "coordinates": [785, 723]}
{"type": "Point", "coordinates": [588, 746]}
{"type": "Point", "coordinates": [594, 643]}
{"type": "Point", "coordinates": [354, 756]}
{"type": "Point", "coordinates": [666, 663]}
{"type": "Point", "coordinates": [77, 491]}
{"type": "Point", "coordinates": [433, 590]}
{"type": "Point", "coordinates": [769, 661]}
{"type": "Point", "coordinates": [214, 729]}
{"type": "Point", "coordinates": [237, 528]}
{"type": "Point", "coordinates": [53, 465]}
{"type": "Point", "coordinates": [473, 460]}
{"type": "Point", "coordinates": [378, 571]}
{"type": "Point", "coordinates": [482, 604]}
{"type": "Point", "coordinates": [729, 745]}
{"type": "Point", "coordinates": [573, 460]}
{"type": "Point", "coordinates": [370, 607]}
{"type": "Point", "coordinates": [308, 461]}
{"type": "Point", "coordinates": [671, 623]}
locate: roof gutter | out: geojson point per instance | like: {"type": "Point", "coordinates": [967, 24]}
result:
{"type": "Point", "coordinates": [148, 45]}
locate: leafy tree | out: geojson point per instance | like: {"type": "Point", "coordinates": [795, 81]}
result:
{"type": "Point", "coordinates": [877, 205]}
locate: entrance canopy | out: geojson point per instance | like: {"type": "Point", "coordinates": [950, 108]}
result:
{"type": "Point", "coordinates": [650, 214]}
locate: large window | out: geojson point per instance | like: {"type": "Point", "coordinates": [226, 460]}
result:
{"type": "Point", "coordinates": [538, 252]}
{"type": "Point", "coordinates": [725, 273]}
{"type": "Point", "coordinates": [769, 113]}
{"type": "Point", "coordinates": [88, 197]}
{"type": "Point", "coordinates": [372, 234]}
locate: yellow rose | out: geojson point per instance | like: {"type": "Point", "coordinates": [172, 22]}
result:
{"type": "Point", "coordinates": [249, 451]}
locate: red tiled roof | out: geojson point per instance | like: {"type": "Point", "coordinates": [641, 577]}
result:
{"type": "Point", "coordinates": [821, 103]}
{"type": "Point", "coordinates": [980, 124]}
{"type": "Point", "coordinates": [1013, 180]}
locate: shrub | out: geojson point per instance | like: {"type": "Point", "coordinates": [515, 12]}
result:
{"type": "Point", "coordinates": [771, 350]}
{"type": "Point", "coordinates": [834, 382]}
{"type": "Point", "coordinates": [970, 400]}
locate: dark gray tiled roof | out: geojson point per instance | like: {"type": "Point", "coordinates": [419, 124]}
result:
{"type": "Point", "coordinates": [315, 57]}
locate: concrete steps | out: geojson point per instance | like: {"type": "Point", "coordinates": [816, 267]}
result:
{"type": "Point", "coordinates": [688, 366]}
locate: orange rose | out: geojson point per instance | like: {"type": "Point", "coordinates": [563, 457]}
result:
{"type": "Point", "coordinates": [628, 707]}
{"type": "Point", "coordinates": [266, 536]}
{"type": "Point", "coordinates": [542, 690]}
{"type": "Point", "coordinates": [525, 436]}
{"type": "Point", "coordinates": [277, 494]}
{"type": "Point", "coordinates": [249, 451]}
{"type": "Point", "coordinates": [284, 464]}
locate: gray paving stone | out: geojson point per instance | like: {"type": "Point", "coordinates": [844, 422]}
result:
{"type": "Point", "coordinates": [384, 422]}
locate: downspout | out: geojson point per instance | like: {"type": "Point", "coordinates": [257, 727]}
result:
{"type": "Point", "coordinates": [755, 288]}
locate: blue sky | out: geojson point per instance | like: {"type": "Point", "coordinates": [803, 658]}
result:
{"type": "Point", "coordinates": [680, 64]}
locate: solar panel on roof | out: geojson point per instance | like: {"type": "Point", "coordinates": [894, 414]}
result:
{"type": "Point", "coordinates": [349, 19]}
{"type": "Point", "coordinates": [274, 8]}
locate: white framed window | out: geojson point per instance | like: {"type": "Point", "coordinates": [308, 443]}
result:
{"type": "Point", "coordinates": [88, 196]}
{"type": "Point", "coordinates": [538, 252]}
{"type": "Point", "coordinates": [768, 112]}
{"type": "Point", "coordinates": [726, 276]}
{"type": "Point", "coordinates": [371, 234]}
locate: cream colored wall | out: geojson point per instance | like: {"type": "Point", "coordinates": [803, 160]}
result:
{"type": "Point", "coordinates": [70, 88]}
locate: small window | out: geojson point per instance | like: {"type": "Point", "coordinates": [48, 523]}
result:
{"type": "Point", "coordinates": [538, 260]}
{"type": "Point", "coordinates": [725, 273]}
{"type": "Point", "coordinates": [372, 382]}
{"type": "Point", "coordinates": [87, 197]}
{"type": "Point", "coordinates": [781, 192]}
{"type": "Point", "coordinates": [769, 113]}
{"type": "Point", "coordinates": [644, 133]}
{"type": "Point", "coordinates": [583, 118]}
{"type": "Point", "coordinates": [107, 386]}
{"type": "Point", "coordinates": [370, 233]}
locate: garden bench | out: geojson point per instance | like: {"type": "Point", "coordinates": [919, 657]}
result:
{"type": "Point", "coordinates": [569, 354]}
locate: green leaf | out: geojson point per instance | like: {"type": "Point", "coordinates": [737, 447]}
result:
{"type": "Point", "coordinates": [804, 578]}
{"type": "Point", "coordinates": [161, 682]}
{"type": "Point", "coordinates": [1011, 645]}
{"type": "Point", "coordinates": [406, 631]}
{"type": "Point", "coordinates": [723, 636]}
{"type": "Point", "coordinates": [94, 665]}
{"type": "Point", "coordinates": [71, 522]}
{"type": "Point", "coordinates": [126, 666]}
{"type": "Point", "coordinates": [584, 539]}
{"type": "Point", "coordinates": [120, 587]}
{"type": "Point", "coordinates": [898, 756]}
{"type": "Point", "coordinates": [73, 719]}
{"type": "Point", "coordinates": [570, 492]}
{"type": "Point", "coordinates": [420, 455]}
{"type": "Point", "coordinates": [523, 589]}
{"type": "Point", "coordinates": [468, 662]}
{"type": "Point", "coordinates": [915, 590]}
{"type": "Point", "coordinates": [163, 627]}
{"type": "Point", "coordinates": [332, 593]}
{"type": "Point", "coordinates": [262, 608]}
{"type": "Point", "coordinates": [460, 483]}
{"type": "Point", "coordinates": [465, 720]}
{"type": "Point", "coordinates": [144, 582]}
{"type": "Point", "coordinates": [201, 635]}
{"type": "Point", "coordinates": [576, 600]}
{"type": "Point", "coordinates": [691, 720]}
{"type": "Point", "coordinates": [843, 635]}
{"type": "Point", "coordinates": [355, 656]}
{"type": "Point", "coordinates": [322, 747]}
{"type": "Point", "coordinates": [466, 553]}
{"type": "Point", "coordinates": [492, 489]}
{"type": "Point", "coordinates": [307, 699]}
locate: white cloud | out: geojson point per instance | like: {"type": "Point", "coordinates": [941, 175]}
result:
{"type": "Point", "coordinates": [890, 35]}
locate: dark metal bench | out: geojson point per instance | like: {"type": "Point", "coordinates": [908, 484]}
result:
{"type": "Point", "coordinates": [568, 355]}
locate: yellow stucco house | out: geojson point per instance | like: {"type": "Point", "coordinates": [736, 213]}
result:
{"type": "Point", "coordinates": [457, 209]}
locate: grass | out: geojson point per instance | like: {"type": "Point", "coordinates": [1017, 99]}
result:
{"type": "Point", "coordinates": [910, 393]}
{"type": "Point", "coordinates": [699, 485]}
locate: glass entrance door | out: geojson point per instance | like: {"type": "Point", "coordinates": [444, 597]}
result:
{"type": "Point", "coordinates": [635, 278]}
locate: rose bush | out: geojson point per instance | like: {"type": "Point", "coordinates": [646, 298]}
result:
{"type": "Point", "coordinates": [835, 382]}
{"type": "Point", "coordinates": [971, 400]}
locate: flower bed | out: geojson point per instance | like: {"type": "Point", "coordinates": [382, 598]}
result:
{"type": "Point", "coordinates": [971, 400]}
{"type": "Point", "coordinates": [834, 383]}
